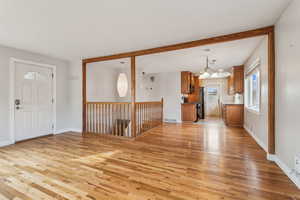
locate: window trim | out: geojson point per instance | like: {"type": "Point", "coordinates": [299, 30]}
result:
{"type": "Point", "coordinates": [254, 68]}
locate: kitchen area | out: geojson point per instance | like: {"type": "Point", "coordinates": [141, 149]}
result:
{"type": "Point", "coordinates": [192, 106]}
{"type": "Point", "coordinates": [206, 97]}
{"type": "Point", "coordinates": [206, 84]}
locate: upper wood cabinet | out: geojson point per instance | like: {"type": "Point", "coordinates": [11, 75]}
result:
{"type": "Point", "coordinates": [187, 82]}
{"type": "Point", "coordinates": [236, 80]}
{"type": "Point", "coordinates": [230, 85]}
{"type": "Point", "coordinates": [194, 95]}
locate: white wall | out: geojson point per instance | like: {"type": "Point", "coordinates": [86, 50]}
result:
{"type": "Point", "coordinates": [257, 123]}
{"type": "Point", "coordinates": [62, 101]}
{"type": "Point", "coordinates": [75, 88]}
{"type": "Point", "coordinates": [166, 85]}
{"type": "Point", "coordinates": [147, 90]}
{"type": "Point", "coordinates": [170, 90]}
{"type": "Point", "coordinates": [101, 83]}
{"type": "Point", "coordinates": [287, 34]}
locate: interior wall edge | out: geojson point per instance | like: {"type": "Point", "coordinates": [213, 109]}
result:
{"type": "Point", "coordinates": [258, 141]}
{"type": "Point", "coordinates": [291, 174]}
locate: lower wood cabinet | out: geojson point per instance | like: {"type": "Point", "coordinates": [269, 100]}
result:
{"type": "Point", "coordinates": [233, 114]}
{"type": "Point", "coordinates": [188, 112]}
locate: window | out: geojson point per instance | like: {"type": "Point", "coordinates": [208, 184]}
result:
{"type": "Point", "coordinates": [252, 93]}
{"type": "Point", "coordinates": [29, 76]}
{"type": "Point", "coordinates": [212, 91]}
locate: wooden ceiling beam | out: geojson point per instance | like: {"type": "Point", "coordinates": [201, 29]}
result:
{"type": "Point", "coordinates": [185, 45]}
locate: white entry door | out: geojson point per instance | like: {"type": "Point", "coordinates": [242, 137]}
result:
{"type": "Point", "coordinates": [33, 101]}
{"type": "Point", "coordinates": [212, 101]}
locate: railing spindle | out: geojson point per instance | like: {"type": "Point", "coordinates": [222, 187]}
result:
{"type": "Point", "coordinates": [114, 118]}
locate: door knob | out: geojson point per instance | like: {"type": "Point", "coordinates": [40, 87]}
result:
{"type": "Point", "coordinates": [17, 102]}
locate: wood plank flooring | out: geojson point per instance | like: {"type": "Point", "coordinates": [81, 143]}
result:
{"type": "Point", "coordinates": [174, 162]}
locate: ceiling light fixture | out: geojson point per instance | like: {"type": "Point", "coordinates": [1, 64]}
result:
{"type": "Point", "coordinates": [206, 73]}
{"type": "Point", "coordinates": [122, 85]}
{"type": "Point", "coordinates": [211, 73]}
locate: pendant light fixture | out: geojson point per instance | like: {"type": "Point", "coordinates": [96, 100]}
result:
{"type": "Point", "coordinates": [122, 85]}
{"type": "Point", "coordinates": [206, 73]}
{"type": "Point", "coordinates": [211, 73]}
{"type": "Point", "coordinates": [220, 74]}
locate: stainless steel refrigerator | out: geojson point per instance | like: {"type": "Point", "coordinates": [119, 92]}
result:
{"type": "Point", "coordinates": [200, 105]}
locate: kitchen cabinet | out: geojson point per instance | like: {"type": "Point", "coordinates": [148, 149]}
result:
{"type": "Point", "coordinates": [193, 97]}
{"type": "Point", "coordinates": [200, 82]}
{"type": "Point", "coordinates": [236, 80]}
{"type": "Point", "coordinates": [187, 82]}
{"type": "Point", "coordinates": [233, 114]}
{"type": "Point", "coordinates": [189, 112]}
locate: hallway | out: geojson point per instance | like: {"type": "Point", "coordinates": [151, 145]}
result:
{"type": "Point", "coordinates": [176, 161]}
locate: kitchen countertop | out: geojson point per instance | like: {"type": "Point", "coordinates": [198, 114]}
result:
{"type": "Point", "coordinates": [232, 103]}
{"type": "Point", "coordinates": [192, 103]}
{"type": "Point", "coordinates": [224, 103]}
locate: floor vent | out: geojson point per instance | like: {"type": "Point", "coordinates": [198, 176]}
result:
{"type": "Point", "coordinates": [170, 120]}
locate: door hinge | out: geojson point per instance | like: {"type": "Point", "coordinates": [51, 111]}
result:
{"type": "Point", "coordinates": [52, 75]}
{"type": "Point", "coordinates": [52, 100]}
{"type": "Point", "coordinates": [52, 126]}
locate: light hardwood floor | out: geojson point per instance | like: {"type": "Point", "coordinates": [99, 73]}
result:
{"type": "Point", "coordinates": [189, 161]}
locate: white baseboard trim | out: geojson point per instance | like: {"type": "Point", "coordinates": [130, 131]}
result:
{"type": "Point", "coordinates": [61, 131]}
{"type": "Point", "coordinates": [288, 171]}
{"type": "Point", "coordinates": [67, 130]}
{"type": "Point", "coordinates": [271, 157]}
{"type": "Point", "coordinates": [5, 143]}
{"type": "Point", "coordinates": [9, 142]}
{"type": "Point", "coordinates": [258, 141]}
{"type": "Point", "coordinates": [75, 130]}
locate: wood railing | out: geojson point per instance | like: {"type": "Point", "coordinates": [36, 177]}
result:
{"type": "Point", "coordinates": [114, 118]}
{"type": "Point", "coordinates": [110, 118]}
{"type": "Point", "coordinates": [148, 115]}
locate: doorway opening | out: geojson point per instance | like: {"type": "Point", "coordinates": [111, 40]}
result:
{"type": "Point", "coordinates": [212, 99]}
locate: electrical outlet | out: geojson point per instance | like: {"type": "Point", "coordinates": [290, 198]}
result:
{"type": "Point", "coordinates": [297, 163]}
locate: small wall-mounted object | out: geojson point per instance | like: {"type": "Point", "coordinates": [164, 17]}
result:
{"type": "Point", "coordinates": [152, 78]}
{"type": "Point", "coordinates": [122, 85]}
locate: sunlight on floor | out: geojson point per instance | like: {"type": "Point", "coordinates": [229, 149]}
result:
{"type": "Point", "coordinates": [98, 158]}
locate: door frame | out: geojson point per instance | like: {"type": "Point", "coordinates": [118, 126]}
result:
{"type": "Point", "coordinates": [12, 69]}
{"type": "Point", "coordinates": [219, 94]}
